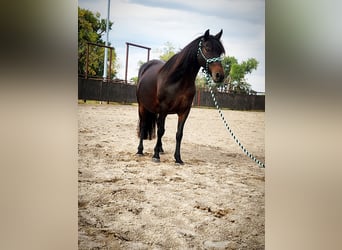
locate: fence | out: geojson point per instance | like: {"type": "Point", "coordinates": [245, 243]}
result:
{"type": "Point", "coordinates": [117, 91]}
{"type": "Point", "coordinates": [231, 101]}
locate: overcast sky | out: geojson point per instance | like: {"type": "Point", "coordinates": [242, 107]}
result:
{"type": "Point", "coordinates": [152, 23]}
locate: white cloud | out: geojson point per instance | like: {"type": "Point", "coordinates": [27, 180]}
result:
{"type": "Point", "coordinates": [154, 22]}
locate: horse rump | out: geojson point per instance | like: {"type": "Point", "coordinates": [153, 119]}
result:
{"type": "Point", "coordinates": [147, 125]}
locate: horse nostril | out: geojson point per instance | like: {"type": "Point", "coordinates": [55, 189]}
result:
{"type": "Point", "coordinates": [218, 76]}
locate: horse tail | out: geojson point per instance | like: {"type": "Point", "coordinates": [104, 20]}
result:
{"type": "Point", "coordinates": [147, 125]}
{"type": "Point", "coordinates": [147, 120]}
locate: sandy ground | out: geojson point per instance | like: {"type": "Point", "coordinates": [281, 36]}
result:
{"type": "Point", "coordinates": [214, 201]}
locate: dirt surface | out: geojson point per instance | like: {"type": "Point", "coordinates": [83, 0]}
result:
{"type": "Point", "coordinates": [214, 201]}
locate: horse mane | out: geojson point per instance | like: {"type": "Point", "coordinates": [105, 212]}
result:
{"type": "Point", "coordinates": [177, 65]}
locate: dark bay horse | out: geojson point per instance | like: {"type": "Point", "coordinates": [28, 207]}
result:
{"type": "Point", "coordinates": [169, 88]}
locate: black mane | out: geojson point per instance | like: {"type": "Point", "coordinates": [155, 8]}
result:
{"type": "Point", "coordinates": [179, 63]}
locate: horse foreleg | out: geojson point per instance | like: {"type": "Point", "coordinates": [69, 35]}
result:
{"type": "Point", "coordinates": [161, 130]}
{"type": "Point", "coordinates": [179, 135]}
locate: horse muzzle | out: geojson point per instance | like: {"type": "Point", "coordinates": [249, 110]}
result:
{"type": "Point", "coordinates": [217, 77]}
{"type": "Point", "coordinates": [217, 72]}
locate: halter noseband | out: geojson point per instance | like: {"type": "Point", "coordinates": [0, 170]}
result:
{"type": "Point", "coordinates": [207, 60]}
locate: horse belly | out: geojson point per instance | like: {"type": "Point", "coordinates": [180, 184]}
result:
{"type": "Point", "coordinates": [180, 103]}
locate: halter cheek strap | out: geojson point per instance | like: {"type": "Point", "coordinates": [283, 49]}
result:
{"type": "Point", "coordinates": [207, 60]}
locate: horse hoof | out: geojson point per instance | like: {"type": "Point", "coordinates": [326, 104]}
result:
{"type": "Point", "coordinates": [179, 163]}
{"type": "Point", "coordinates": [139, 154]}
{"type": "Point", "coordinates": [155, 159]}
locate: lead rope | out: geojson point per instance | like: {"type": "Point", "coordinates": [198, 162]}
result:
{"type": "Point", "coordinates": [209, 80]}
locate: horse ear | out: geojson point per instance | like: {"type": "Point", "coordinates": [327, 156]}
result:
{"type": "Point", "coordinates": [206, 35]}
{"type": "Point", "coordinates": [218, 35]}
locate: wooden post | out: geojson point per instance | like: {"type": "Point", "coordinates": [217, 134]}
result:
{"type": "Point", "coordinates": [87, 59]}
{"type": "Point", "coordinates": [148, 54]}
{"type": "Point", "coordinates": [127, 50]}
{"type": "Point", "coordinates": [110, 64]}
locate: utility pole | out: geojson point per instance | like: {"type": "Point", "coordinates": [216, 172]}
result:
{"type": "Point", "coordinates": [105, 66]}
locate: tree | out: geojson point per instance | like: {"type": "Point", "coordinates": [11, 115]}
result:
{"type": "Point", "coordinates": [235, 74]}
{"type": "Point", "coordinates": [134, 79]}
{"type": "Point", "coordinates": [167, 52]}
{"type": "Point", "coordinates": [90, 29]}
{"type": "Point", "coordinates": [200, 80]}
{"type": "Point", "coordinates": [140, 63]}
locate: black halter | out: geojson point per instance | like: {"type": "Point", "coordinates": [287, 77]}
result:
{"type": "Point", "coordinates": [207, 60]}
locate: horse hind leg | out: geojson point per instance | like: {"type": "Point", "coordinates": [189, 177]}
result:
{"type": "Point", "coordinates": [161, 130]}
{"type": "Point", "coordinates": [146, 128]}
{"type": "Point", "coordinates": [141, 130]}
{"type": "Point", "coordinates": [140, 147]}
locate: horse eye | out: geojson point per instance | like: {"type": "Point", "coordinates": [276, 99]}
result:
{"type": "Point", "coordinates": [207, 48]}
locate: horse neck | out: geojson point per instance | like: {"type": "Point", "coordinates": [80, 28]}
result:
{"type": "Point", "coordinates": [194, 74]}
{"type": "Point", "coordinates": [188, 67]}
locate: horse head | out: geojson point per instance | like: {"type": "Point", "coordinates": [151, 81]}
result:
{"type": "Point", "coordinates": [210, 50]}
